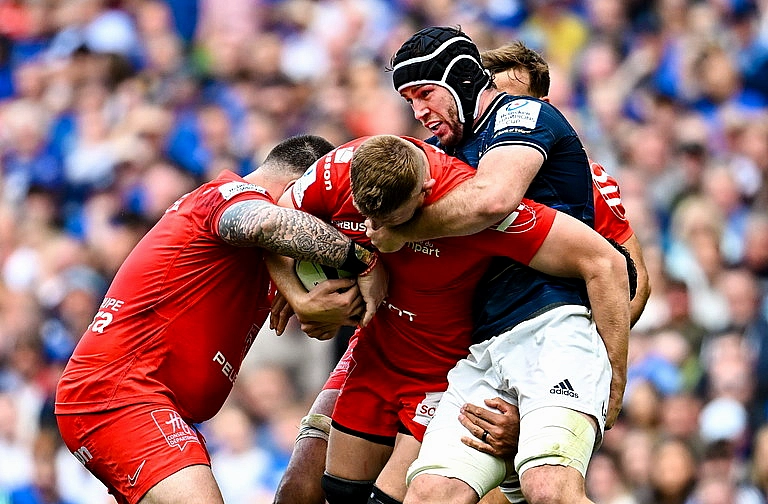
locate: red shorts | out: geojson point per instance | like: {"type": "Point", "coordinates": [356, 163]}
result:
{"type": "Point", "coordinates": [132, 449]}
{"type": "Point", "coordinates": [377, 402]}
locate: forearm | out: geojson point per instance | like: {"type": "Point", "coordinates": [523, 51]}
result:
{"type": "Point", "coordinates": [283, 276]}
{"type": "Point", "coordinates": [609, 299]}
{"type": "Point", "coordinates": [503, 176]}
{"type": "Point", "coordinates": [637, 305]}
{"type": "Point", "coordinates": [467, 209]}
{"type": "Point", "coordinates": [291, 233]}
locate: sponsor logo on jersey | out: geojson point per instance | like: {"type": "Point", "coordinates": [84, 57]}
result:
{"type": "Point", "coordinates": [228, 369]}
{"type": "Point", "coordinates": [425, 410]}
{"type": "Point", "coordinates": [303, 183]}
{"type": "Point", "coordinates": [520, 113]}
{"type": "Point", "coordinates": [564, 388]}
{"type": "Point", "coordinates": [83, 455]}
{"type": "Point", "coordinates": [521, 220]}
{"type": "Point", "coordinates": [424, 247]}
{"type": "Point", "coordinates": [175, 430]}
{"type": "Point", "coordinates": [349, 225]}
{"type": "Point", "coordinates": [608, 189]}
{"type": "Point", "coordinates": [232, 189]}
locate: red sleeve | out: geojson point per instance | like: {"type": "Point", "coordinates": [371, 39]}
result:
{"type": "Point", "coordinates": [610, 217]}
{"type": "Point", "coordinates": [218, 195]}
{"type": "Point", "coordinates": [521, 234]}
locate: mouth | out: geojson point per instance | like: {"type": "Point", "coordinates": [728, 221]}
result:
{"type": "Point", "coordinates": [433, 126]}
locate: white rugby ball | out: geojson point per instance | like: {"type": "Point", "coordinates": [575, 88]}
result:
{"type": "Point", "coordinates": [312, 274]}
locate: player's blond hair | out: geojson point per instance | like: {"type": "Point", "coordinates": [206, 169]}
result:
{"type": "Point", "coordinates": [385, 173]}
{"type": "Point", "coordinates": [517, 55]}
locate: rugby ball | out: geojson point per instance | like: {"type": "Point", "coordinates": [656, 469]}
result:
{"type": "Point", "coordinates": [312, 274]}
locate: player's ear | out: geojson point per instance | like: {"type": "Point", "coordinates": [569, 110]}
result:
{"type": "Point", "coordinates": [428, 185]}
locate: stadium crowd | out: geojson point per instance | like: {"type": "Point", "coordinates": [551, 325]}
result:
{"type": "Point", "coordinates": [110, 110]}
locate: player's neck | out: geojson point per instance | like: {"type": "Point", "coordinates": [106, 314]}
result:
{"type": "Point", "coordinates": [486, 97]}
{"type": "Point", "coordinates": [275, 186]}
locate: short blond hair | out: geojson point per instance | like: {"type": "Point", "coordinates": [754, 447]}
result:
{"type": "Point", "coordinates": [386, 171]}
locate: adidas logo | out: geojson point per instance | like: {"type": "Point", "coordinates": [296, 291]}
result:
{"type": "Point", "coordinates": [564, 388]}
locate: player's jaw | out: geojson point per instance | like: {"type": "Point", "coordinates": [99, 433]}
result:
{"type": "Point", "coordinates": [434, 107]}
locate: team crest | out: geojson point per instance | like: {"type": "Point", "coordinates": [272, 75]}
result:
{"type": "Point", "coordinates": [176, 431]}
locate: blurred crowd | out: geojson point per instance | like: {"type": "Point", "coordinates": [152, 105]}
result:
{"type": "Point", "coordinates": [110, 110]}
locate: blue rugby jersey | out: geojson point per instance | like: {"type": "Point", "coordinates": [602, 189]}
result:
{"type": "Point", "coordinates": [510, 292]}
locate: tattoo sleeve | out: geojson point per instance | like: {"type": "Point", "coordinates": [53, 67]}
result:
{"type": "Point", "coordinates": [284, 231]}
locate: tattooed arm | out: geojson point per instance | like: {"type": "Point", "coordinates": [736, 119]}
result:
{"type": "Point", "coordinates": [258, 223]}
{"type": "Point", "coordinates": [297, 234]}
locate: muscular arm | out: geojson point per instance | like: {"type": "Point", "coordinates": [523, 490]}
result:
{"type": "Point", "coordinates": [502, 178]}
{"type": "Point", "coordinates": [256, 223]}
{"type": "Point", "coordinates": [637, 305]}
{"type": "Point", "coordinates": [573, 249]}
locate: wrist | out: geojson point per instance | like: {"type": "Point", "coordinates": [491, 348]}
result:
{"type": "Point", "coordinates": [359, 259]}
{"type": "Point", "coordinates": [373, 263]}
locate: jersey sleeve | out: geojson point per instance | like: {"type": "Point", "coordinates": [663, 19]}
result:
{"type": "Point", "coordinates": [213, 202]}
{"type": "Point", "coordinates": [520, 235]}
{"type": "Point", "coordinates": [531, 123]}
{"type": "Point", "coordinates": [610, 217]}
{"type": "Point", "coordinates": [307, 193]}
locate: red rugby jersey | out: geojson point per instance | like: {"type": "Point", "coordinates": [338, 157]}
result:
{"type": "Point", "coordinates": [425, 324]}
{"type": "Point", "coordinates": [179, 317]}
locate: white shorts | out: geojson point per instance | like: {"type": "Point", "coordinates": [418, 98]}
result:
{"type": "Point", "coordinates": [556, 359]}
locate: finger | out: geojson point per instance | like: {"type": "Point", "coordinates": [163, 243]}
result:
{"type": "Point", "coordinates": [481, 413]}
{"type": "Point", "coordinates": [499, 404]}
{"type": "Point", "coordinates": [370, 311]}
{"type": "Point", "coordinates": [335, 284]}
{"type": "Point", "coordinates": [358, 306]}
{"type": "Point", "coordinates": [283, 318]}
{"type": "Point", "coordinates": [473, 423]}
{"type": "Point", "coordinates": [479, 445]}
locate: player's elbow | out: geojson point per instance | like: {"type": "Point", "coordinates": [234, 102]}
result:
{"type": "Point", "coordinates": [495, 205]}
{"type": "Point", "coordinates": [608, 266]}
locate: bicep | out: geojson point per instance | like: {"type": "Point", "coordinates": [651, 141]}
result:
{"type": "Point", "coordinates": [506, 172]}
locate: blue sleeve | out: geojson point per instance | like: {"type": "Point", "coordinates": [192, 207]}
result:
{"type": "Point", "coordinates": [531, 122]}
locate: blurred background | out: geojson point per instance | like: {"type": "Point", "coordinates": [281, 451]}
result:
{"type": "Point", "coordinates": [110, 110]}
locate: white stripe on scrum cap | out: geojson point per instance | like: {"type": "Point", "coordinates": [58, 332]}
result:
{"type": "Point", "coordinates": [426, 57]}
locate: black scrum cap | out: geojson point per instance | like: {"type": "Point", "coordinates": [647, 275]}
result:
{"type": "Point", "coordinates": [447, 57]}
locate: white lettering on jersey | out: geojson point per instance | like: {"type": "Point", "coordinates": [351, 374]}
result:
{"type": "Point", "coordinates": [303, 183]}
{"type": "Point", "coordinates": [83, 455]}
{"type": "Point", "coordinates": [176, 204]}
{"type": "Point", "coordinates": [103, 318]}
{"type": "Point", "coordinates": [521, 220]}
{"type": "Point", "coordinates": [349, 225]}
{"type": "Point", "coordinates": [520, 113]}
{"type": "Point", "coordinates": [232, 189]}
{"type": "Point", "coordinates": [424, 247]}
{"type": "Point", "coordinates": [401, 312]}
{"type": "Point", "coordinates": [608, 189]}
{"type": "Point", "coordinates": [175, 430]}
{"type": "Point", "coordinates": [227, 368]}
